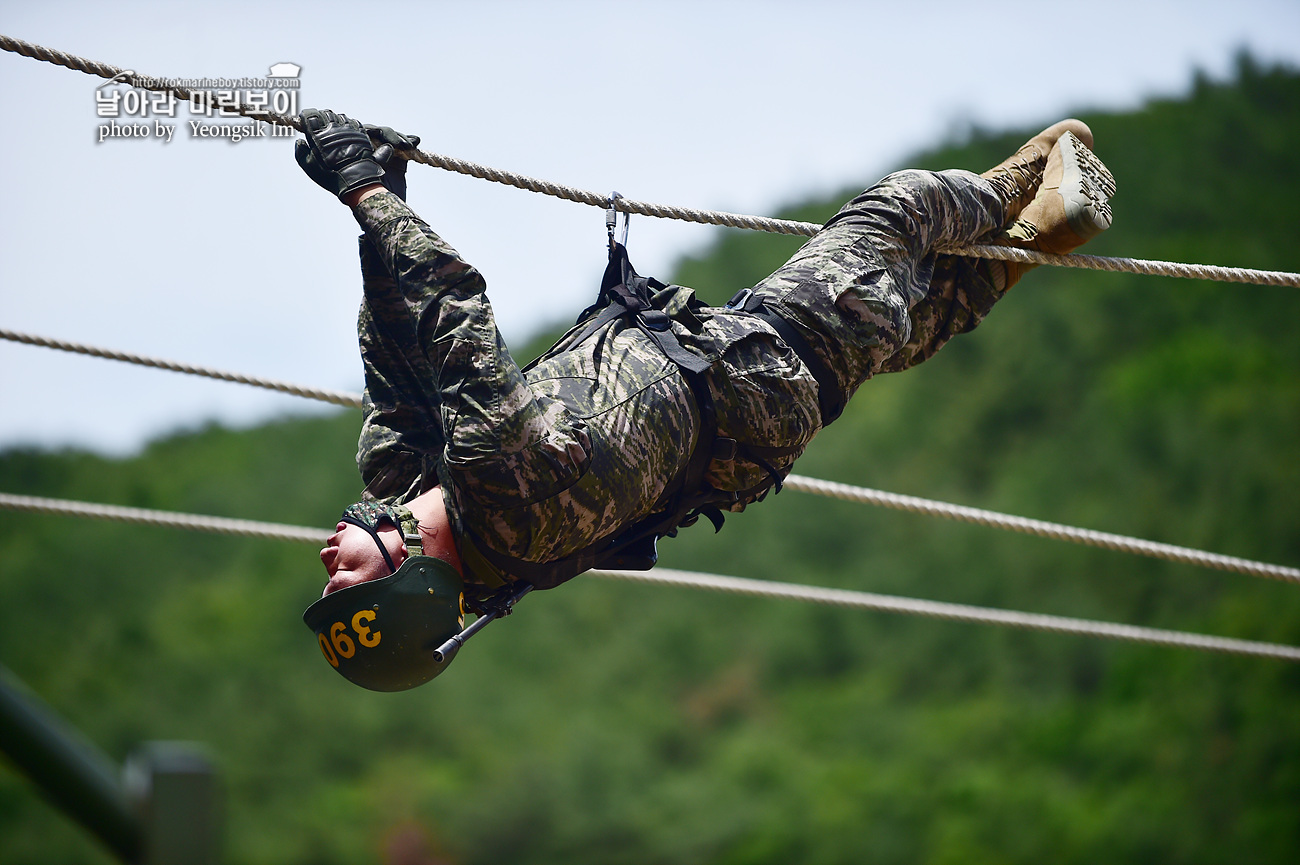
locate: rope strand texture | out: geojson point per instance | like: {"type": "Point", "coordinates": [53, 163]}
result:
{"type": "Point", "coordinates": [813, 486]}
{"type": "Point", "coordinates": [349, 400]}
{"type": "Point", "coordinates": [954, 612]}
{"type": "Point", "coordinates": [128, 76]}
{"type": "Point", "coordinates": [1042, 529]}
{"type": "Point", "coordinates": [712, 582]}
{"type": "Point", "coordinates": [1211, 272]}
{"type": "Point", "coordinates": [168, 519]}
{"type": "Point", "coordinates": [663, 211]}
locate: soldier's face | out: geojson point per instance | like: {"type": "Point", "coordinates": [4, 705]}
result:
{"type": "Point", "coordinates": [352, 557]}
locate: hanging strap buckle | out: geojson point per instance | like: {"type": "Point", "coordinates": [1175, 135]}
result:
{"type": "Point", "coordinates": [741, 300]}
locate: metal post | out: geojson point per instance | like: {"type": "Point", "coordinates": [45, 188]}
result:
{"type": "Point", "coordinates": [175, 791]}
{"type": "Point", "coordinates": [164, 811]}
{"type": "Point", "coordinates": [73, 773]}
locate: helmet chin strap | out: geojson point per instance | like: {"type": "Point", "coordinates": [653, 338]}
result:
{"type": "Point", "coordinates": [369, 514]}
{"type": "Point", "coordinates": [379, 542]}
{"type": "Point", "coordinates": [397, 621]}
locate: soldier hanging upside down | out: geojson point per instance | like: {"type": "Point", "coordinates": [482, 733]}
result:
{"type": "Point", "coordinates": [483, 479]}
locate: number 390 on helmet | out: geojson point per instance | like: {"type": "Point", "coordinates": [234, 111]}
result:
{"type": "Point", "coordinates": [384, 634]}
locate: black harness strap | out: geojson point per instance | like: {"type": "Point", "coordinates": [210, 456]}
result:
{"type": "Point", "coordinates": [624, 293]}
{"type": "Point", "coordinates": [830, 398]}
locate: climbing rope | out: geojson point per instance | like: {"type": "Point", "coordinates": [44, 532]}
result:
{"type": "Point", "coordinates": [168, 519]}
{"type": "Point", "coordinates": [628, 205]}
{"type": "Point", "coordinates": [128, 76]}
{"type": "Point", "coordinates": [813, 486]}
{"type": "Point", "coordinates": [1039, 528]}
{"type": "Point", "coordinates": [954, 612]}
{"type": "Point", "coordinates": [1133, 265]}
{"type": "Point", "coordinates": [711, 582]}
{"type": "Point", "coordinates": [348, 400]}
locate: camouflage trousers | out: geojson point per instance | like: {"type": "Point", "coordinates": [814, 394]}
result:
{"type": "Point", "coordinates": [538, 466]}
{"type": "Point", "coordinates": [870, 294]}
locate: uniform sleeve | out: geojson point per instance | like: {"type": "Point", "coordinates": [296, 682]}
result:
{"type": "Point", "coordinates": [440, 380]}
{"type": "Point", "coordinates": [400, 432]}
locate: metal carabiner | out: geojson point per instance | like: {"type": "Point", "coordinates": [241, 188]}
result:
{"type": "Point", "coordinates": [611, 219]}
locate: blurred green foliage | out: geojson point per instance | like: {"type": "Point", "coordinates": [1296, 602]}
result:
{"type": "Point", "coordinates": [627, 723]}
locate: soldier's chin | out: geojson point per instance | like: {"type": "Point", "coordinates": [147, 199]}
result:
{"type": "Point", "coordinates": [345, 580]}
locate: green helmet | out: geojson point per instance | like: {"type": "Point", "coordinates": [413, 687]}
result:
{"type": "Point", "coordinates": [384, 634]}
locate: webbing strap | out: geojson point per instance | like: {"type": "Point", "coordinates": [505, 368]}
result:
{"type": "Point", "coordinates": [625, 293]}
{"type": "Point", "coordinates": [830, 398]}
{"type": "Point", "coordinates": [625, 288]}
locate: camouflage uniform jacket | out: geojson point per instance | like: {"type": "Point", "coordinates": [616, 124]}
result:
{"type": "Point", "coordinates": [538, 465]}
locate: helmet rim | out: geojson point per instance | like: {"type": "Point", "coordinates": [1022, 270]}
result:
{"type": "Point", "coordinates": [382, 634]}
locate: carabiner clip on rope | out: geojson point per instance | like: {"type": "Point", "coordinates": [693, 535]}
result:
{"type": "Point", "coordinates": [611, 220]}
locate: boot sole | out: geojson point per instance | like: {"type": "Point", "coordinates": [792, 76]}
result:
{"type": "Point", "coordinates": [1086, 187]}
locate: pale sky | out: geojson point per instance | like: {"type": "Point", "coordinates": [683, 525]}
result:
{"type": "Point", "coordinates": [226, 255]}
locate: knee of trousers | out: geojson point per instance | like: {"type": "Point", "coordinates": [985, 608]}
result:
{"type": "Point", "coordinates": [896, 204]}
{"type": "Point", "coordinates": [908, 184]}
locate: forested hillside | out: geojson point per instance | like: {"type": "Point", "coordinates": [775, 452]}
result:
{"type": "Point", "coordinates": [633, 724]}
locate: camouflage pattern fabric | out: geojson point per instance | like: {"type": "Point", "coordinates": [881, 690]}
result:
{"type": "Point", "coordinates": [868, 294]}
{"type": "Point", "coordinates": [540, 465]}
{"type": "Point", "coordinates": [372, 512]}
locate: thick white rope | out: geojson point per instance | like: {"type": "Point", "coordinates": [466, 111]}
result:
{"type": "Point", "coordinates": [627, 205]}
{"type": "Point", "coordinates": [349, 400]}
{"type": "Point", "coordinates": [623, 205]}
{"type": "Point", "coordinates": [134, 79]}
{"type": "Point", "coordinates": [1134, 265]}
{"type": "Point", "coordinates": [168, 519]}
{"type": "Point", "coordinates": [830, 489]}
{"type": "Point", "coordinates": [712, 582]}
{"type": "Point", "coordinates": [953, 612]}
{"type": "Point", "coordinates": [1042, 529]}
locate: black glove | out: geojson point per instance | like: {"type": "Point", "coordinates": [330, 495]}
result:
{"type": "Point", "coordinates": [392, 150]}
{"type": "Point", "coordinates": [337, 153]}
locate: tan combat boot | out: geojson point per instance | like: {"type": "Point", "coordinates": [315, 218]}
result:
{"type": "Point", "coordinates": [1018, 176]}
{"type": "Point", "coordinates": [1070, 208]}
